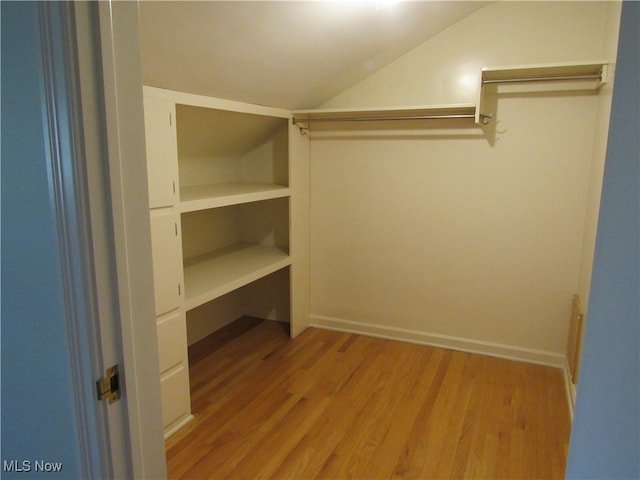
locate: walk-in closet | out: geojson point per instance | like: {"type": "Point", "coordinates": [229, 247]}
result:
{"type": "Point", "coordinates": [445, 193]}
{"type": "Point", "coordinates": [333, 239]}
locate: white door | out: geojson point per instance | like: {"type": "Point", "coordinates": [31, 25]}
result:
{"type": "Point", "coordinates": [167, 262]}
{"type": "Point", "coordinates": [159, 118]}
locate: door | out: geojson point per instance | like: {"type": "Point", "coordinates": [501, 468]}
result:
{"type": "Point", "coordinates": [159, 118]}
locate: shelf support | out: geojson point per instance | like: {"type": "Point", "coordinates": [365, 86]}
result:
{"type": "Point", "coordinates": [303, 130]}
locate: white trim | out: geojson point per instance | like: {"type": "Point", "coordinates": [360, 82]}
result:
{"type": "Point", "coordinates": [492, 349]}
{"type": "Point", "coordinates": [557, 67]}
{"type": "Point", "coordinates": [122, 81]}
{"type": "Point", "coordinates": [570, 388]}
{"type": "Point", "coordinates": [174, 428]}
{"type": "Point", "coordinates": [68, 182]}
{"type": "Point", "coordinates": [183, 98]}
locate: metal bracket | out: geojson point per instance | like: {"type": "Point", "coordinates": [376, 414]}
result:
{"type": "Point", "coordinates": [108, 387]}
{"type": "Point", "coordinates": [486, 118]}
{"type": "Point", "coordinates": [303, 130]}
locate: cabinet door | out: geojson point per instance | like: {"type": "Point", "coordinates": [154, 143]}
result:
{"type": "Point", "coordinates": [162, 151]}
{"type": "Point", "coordinates": [172, 340]}
{"type": "Point", "coordinates": [175, 396]}
{"type": "Point", "coordinates": [166, 251]}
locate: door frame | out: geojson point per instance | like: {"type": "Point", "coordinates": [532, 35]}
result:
{"type": "Point", "coordinates": [124, 115]}
{"type": "Point", "coordinates": [93, 115]}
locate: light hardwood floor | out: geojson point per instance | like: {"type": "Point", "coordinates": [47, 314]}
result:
{"type": "Point", "coordinates": [336, 405]}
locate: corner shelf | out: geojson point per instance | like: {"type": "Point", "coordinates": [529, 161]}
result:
{"type": "Point", "coordinates": [202, 197]}
{"type": "Point", "coordinates": [592, 75]}
{"type": "Point", "coordinates": [212, 275]}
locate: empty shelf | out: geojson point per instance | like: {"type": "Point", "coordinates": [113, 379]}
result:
{"type": "Point", "coordinates": [210, 276]}
{"type": "Point", "coordinates": [202, 197]}
{"type": "Point", "coordinates": [596, 71]}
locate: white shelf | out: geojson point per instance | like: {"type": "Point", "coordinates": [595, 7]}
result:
{"type": "Point", "coordinates": [589, 74]}
{"type": "Point", "coordinates": [183, 98]}
{"type": "Point", "coordinates": [386, 113]}
{"type": "Point", "coordinates": [210, 276]}
{"type": "Point", "coordinates": [524, 72]}
{"type": "Point", "coordinates": [202, 197]}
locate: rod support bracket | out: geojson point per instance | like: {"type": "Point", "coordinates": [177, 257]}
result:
{"type": "Point", "coordinates": [303, 130]}
{"type": "Point", "coordinates": [486, 118]}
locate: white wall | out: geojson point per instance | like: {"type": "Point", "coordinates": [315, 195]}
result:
{"type": "Point", "coordinates": [462, 237]}
{"type": "Point", "coordinates": [444, 69]}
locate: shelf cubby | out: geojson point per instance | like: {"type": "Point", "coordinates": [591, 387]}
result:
{"type": "Point", "coordinates": [212, 275]}
{"type": "Point", "coordinates": [228, 157]}
{"type": "Point", "coordinates": [228, 247]}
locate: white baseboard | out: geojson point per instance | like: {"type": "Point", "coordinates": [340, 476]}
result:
{"type": "Point", "coordinates": [177, 426]}
{"type": "Point", "coordinates": [510, 352]}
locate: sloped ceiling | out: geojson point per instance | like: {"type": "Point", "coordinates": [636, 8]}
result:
{"type": "Point", "coordinates": [289, 54]}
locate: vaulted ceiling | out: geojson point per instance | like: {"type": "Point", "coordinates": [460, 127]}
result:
{"type": "Point", "coordinates": [289, 54]}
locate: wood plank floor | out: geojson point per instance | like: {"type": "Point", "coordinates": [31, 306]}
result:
{"type": "Point", "coordinates": [335, 405]}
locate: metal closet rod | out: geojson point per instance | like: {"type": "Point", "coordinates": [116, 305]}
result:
{"type": "Point", "coordinates": [392, 117]}
{"type": "Point", "coordinates": [551, 78]}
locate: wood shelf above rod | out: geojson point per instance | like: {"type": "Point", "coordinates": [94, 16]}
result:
{"type": "Point", "coordinates": [591, 74]}
{"type": "Point", "coordinates": [546, 73]}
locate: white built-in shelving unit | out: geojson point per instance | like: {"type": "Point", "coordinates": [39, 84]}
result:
{"type": "Point", "coordinates": [222, 170]}
{"type": "Point", "coordinates": [233, 166]}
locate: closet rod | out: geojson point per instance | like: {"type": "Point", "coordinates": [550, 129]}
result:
{"type": "Point", "coordinates": [393, 117]}
{"type": "Point", "coordinates": [596, 76]}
